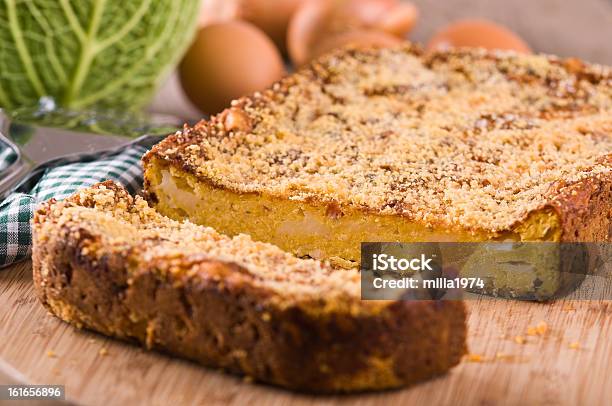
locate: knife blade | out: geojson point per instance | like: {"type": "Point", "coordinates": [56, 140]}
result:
{"type": "Point", "coordinates": [37, 147]}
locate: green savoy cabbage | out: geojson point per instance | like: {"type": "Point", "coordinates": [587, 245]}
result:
{"type": "Point", "coordinates": [84, 53]}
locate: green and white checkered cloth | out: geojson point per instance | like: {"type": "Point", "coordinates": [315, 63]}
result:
{"type": "Point", "coordinates": [59, 182]}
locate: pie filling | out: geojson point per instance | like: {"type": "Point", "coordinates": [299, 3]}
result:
{"type": "Point", "coordinates": [328, 232]}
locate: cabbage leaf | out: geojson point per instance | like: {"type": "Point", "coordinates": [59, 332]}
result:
{"type": "Point", "coordinates": [83, 53]}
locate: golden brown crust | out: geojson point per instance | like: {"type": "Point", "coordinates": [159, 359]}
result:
{"type": "Point", "coordinates": [464, 139]}
{"type": "Point", "coordinates": [585, 209]}
{"type": "Point", "coordinates": [104, 261]}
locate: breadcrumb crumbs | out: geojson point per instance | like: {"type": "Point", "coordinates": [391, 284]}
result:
{"type": "Point", "coordinates": [542, 328]}
{"type": "Point", "coordinates": [475, 358]}
{"type": "Point", "coordinates": [539, 330]}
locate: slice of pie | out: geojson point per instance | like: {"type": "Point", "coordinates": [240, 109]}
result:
{"type": "Point", "coordinates": [106, 261]}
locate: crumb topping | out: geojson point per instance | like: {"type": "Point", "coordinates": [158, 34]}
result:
{"type": "Point", "coordinates": [463, 138]}
{"type": "Point", "coordinates": [114, 222]}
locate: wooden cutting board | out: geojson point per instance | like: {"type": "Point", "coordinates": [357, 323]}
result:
{"type": "Point", "coordinates": [571, 363]}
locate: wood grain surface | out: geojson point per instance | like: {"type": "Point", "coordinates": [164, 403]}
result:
{"type": "Point", "coordinates": [567, 364]}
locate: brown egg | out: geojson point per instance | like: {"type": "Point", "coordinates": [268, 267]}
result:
{"type": "Point", "coordinates": [360, 38]}
{"type": "Point", "coordinates": [315, 21]}
{"type": "Point", "coordinates": [362, 12]}
{"type": "Point", "coordinates": [271, 16]}
{"type": "Point", "coordinates": [227, 61]}
{"type": "Point", "coordinates": [306, 22]}
{"type": "Point", "coordinates": [400, 21]}
{"type": "Point", "coordinates": [477, 33]}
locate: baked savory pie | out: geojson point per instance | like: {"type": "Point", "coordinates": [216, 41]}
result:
{"type": "Point", "coordinates": [393, 145]}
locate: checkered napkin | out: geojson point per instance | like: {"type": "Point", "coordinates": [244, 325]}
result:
{"type": "Point", "coordinates": [59, 182]}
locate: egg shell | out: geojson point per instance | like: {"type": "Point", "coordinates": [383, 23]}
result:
{"type": "Point", "coordinates": [226, 61]}
{"type": "Point", "coordinates": [271, 16]}
{"type": "Point", "coordinates": [356, 38]}
{"type": "Point", "coordinates": [315, 21]}
{"type": "Point", "coordinates": [400, 20]}
{"type": "Point", "coordinates": [477, 33]}
{"type": "Point", "coordinates": [366, 12]}
{"type": "Point", "coordinates": [216, 11]}
{"type": "Point", "coordinates": [306, 22]}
